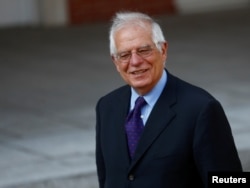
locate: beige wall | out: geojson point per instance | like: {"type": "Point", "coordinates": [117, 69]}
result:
{"type": "Point", "coordinates": [194, 6]}
{"type": "Point", "coordinates": [18, 12]}
{"type": "Point", "coordinates": [55, 12]}
{"type": "Point", "coordinates": [32, 12]}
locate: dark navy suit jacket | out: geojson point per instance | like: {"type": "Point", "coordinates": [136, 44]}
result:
{"type": "Point", "coordinates": [186, 135]}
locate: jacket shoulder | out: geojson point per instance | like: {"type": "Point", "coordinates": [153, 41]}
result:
{"type": "Point", "coordinates": [192, 91]}
{"type": "Point", "coordinates": [115, 96]}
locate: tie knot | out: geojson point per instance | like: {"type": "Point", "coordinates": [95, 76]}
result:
{"type": "Point", "coordinates": [140, 102]}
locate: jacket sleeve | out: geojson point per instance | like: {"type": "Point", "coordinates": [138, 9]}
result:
{"type": "Point", "coordinates": [214, 147]}
{"type": "Point", "coordinates": [99, 157]}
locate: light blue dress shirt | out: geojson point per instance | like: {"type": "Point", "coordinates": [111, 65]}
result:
{"type": "Point", "coordinates": [150, 97]}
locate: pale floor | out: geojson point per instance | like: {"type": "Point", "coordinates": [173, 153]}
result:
{"type": "Point", "coordinates": [51, 78]}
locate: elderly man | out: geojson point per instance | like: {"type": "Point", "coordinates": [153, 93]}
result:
{"type": "Point", "coordinates": [157, 131]}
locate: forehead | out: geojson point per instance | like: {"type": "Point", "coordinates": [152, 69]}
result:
{"type": "Point", "coordinates": [133, 36]}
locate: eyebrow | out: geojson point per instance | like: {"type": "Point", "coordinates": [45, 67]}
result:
{"type": "Point", "coordinates": [143, 46]}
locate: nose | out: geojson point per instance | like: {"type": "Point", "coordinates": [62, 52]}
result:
{"type": "Point", "coordinates": [135, 59]}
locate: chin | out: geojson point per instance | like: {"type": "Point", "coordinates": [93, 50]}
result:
{"type": "Point", "coordinates": [140, 85]}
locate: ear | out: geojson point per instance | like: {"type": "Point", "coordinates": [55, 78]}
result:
{"type": "Point", "coordinates": [116, 63]}
{"type": "Point", "coordinates": [164, 49]}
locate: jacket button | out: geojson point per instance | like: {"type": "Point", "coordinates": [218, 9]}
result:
{"type": "Point", "coordinates": [131, 177]}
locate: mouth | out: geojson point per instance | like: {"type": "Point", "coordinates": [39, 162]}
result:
{"type": "Point", "coordinates": [138, 72]}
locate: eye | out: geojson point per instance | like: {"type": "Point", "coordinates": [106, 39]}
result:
{"type": "Point", "coordinates": [144, 51]}
{"type": "Point", "coordinates": [124, 55]}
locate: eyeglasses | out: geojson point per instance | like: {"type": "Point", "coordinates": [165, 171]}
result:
{"type": "Point", "coordinates": [143, 52]}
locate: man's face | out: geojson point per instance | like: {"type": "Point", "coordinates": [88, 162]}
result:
{"type": "Point", "coordinates": [138, 60]}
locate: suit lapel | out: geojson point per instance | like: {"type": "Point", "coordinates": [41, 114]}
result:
{"type": "Point", "coordinates": [120, 115]}
{"type": "Point", "coordinates": [159, 119]}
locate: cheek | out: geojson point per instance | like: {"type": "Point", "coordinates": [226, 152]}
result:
{"type": "Point", "coordinates": [117, 66]}
{"type": "Point", "coordinates": [122, 68]}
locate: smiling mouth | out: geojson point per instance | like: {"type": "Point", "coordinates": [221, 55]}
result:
{"type": "Point", "coordinates": [138, 72]}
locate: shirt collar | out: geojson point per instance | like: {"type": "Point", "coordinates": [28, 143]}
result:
{"type": "Point", "coordinates": [153, 95]}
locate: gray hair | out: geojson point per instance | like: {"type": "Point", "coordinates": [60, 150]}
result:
{"type": "Point", "coordinates": [122, 19]}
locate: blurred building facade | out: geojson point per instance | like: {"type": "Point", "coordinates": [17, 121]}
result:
{"type": "Point", "coordinates": [72, 12]}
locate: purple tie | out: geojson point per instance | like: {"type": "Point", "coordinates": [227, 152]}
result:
{"type": "Point", "coordinates": [134, 125]}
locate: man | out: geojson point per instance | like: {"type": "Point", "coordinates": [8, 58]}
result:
{"type": "Point", "coordinates": [185, 133]}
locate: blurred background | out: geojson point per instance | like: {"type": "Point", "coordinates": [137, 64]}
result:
{"type": "Point", "coordinates": [55, 64]}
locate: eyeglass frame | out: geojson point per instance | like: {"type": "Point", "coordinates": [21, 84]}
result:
{"type": "Point", "coordinates": [143, 51]}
